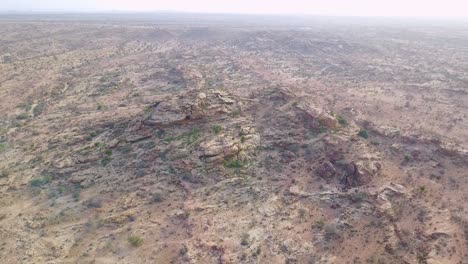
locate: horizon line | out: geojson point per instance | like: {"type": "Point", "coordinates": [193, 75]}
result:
{"type": "Point", "coordinates": [107, 11]}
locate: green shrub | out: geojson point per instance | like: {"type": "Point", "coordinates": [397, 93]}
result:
{"type": "Point", "coordinates": [39, 182]}
{"type": "Point", "coordinates": [106, 160]}
{"type": "Point", "coordinates": [319, 224]}
{"type": "Point", "coordinates": [160, 134]}
{"type": "Point", "coordinates": [125, 148]}
{"type": "Point", "coordinates": [190, 137]}
{"type": "Point", "coordinates": [245, 239]}
{"type": "Point", "coordinates": [302, 212]}
{"type": "Point", "coordinates": [38, 109]}
{"type": "Point", "coordinates": [323, 129]}
{"type": "Point", "coordinates": [76, 193]}
{"type": "Point", "coordinates": [157, 198]}
{"type": "Point", "coordinates": [407, 158]}
{"type": "Point", "coordinates": [358, 197]}
{"type": "Point", "coordinates": [149, 145]}
{"type": "Point", "coordinates": [363, 133]}
{"type": "Point", "coordinates": [4, 174]}
{"type": "Point", "coordinates": [92, 135]}
{"type": "Point", "coordinates": [169, 139]}
{"type": "Point", "coordinates": [22, 116]}
{"type": "Point", "coordinates": [2, 147]}
{"type": "Point", "coordinates": [236, 164]}
{"type": "Point", "coordinates": [217, 129]}
{"type": "Point", "coordinates": [99, 145]}
{"type": "Point", "coordinates": [135, 241]}
{"type": "Point", "coordinates": [341, 120]}
{"type": "Point", "coordinates": [331, 232]}
{"type": "Point", "coordinates": [183, 250]}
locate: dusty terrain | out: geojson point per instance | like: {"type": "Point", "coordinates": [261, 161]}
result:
{"type": "Point", "coordinates": [187, 139]}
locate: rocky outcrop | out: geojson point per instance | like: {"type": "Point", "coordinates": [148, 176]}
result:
{"type": "Point", "coordinates": [326, 169]}
{"type": "Point", "coordinates": [191, 105]}
{"type": "Point", "coordinates": [219, 148]}
{"type": "Point", "coordinates": [318, 115]}
{"type": "Point", "coordinates": [361, 172]}
{"type": "Point", "coordinates": [234, 143]}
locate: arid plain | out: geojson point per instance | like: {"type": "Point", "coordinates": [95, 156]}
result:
{"type": "Point", "coordinates": [169, 138]}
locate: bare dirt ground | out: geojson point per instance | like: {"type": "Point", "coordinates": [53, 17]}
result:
{"type": "Point", "coordinates": [211, 139]}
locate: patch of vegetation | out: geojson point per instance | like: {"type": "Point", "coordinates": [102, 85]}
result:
{"type": "Point", "coordinates": [108, 152]}
{"type": "Point", "coordinates": [185, 215]}
{"type": "Point", "coordinates": [422, 189]}
{"type": "Point", "coordinates": [245, 239]}
{"type": "Point", "coordinates": [422, 255]}
{"type": "Point", "coordinates": [235, 113]}
{"type": "Point", "coordinates": [358, 197]}
{"type": "Point", "coordinates": [341, 120]}
{"type": "Point", "coordinates": [92, 135]}
{"type": "Point", "coordinates": [125, 149]}
{"type": "Point", "coordinates": [4, 174]}
{"type": "Point", "coordinates": [2, 147]}
{"type": "Point", "coordinates": [217, 129]}
{"type": "Point", "coordinates": [94, 203]}
{"type": "Point", "coordinates": [76, 193]}
{"type": "Point", "coordinates": [320, 224]}
{"type": "Point", "coordinates": [363, 133]}
{"type": "Point", "coordinates": [157, 198]}
{"type": "Point", "coordinates": [25, 106]}
{"type": "Point", "coordinates": [408, 158]}
{"type": "Point", "coordinates": [331, 232]}
{"type": "Point", "coordinates": [234, 164]}
{"type": "Point", "coordinates": [61, 190]}
{"type": "Point", "coordinates": [257, 252]}
{"type": "Point", "coordinates": [39, 182]}
{"type": "Point", "coordinates": [135, 240]}
{"type": "Point", "coordinates": [190, 137]}
{"type": "Point", "coordinates": [169, 139]}
{"type": "Point", "coordinates": [163, 155]}
{"type": "Point", "coordinates": [160, 134]}
{"type": "Point", "coordinates": [148, 145]}
{"type": "Point", "coordinates": [302, 213]}
{"type": "Point", "coordinates": [38, 109]}
{"type": "Point", "coordinates": [293, 147]}
{"type": "Point", "coordinates": [315, 131]}
{"type": "Point", "coordinates": [106, 160]}
{"type": "Point", "coordinates": [99, 107]}
{"type": "Point", "coordinates": [22, 116]}
{"type": "Point", "coordinates": [99, 145]}
{"type": "Point", "coordinates": [188, 177]}
{"type": "Point", "coordinates": [183, 250]}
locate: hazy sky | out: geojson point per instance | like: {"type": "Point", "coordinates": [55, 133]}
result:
{"type": "Point", "coordinates": [320, 7]}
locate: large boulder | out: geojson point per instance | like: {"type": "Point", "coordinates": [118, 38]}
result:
{"type": "Point", "coordinates": [318, 115]}
{"type": "Point", "coordinates": [361, 172]}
